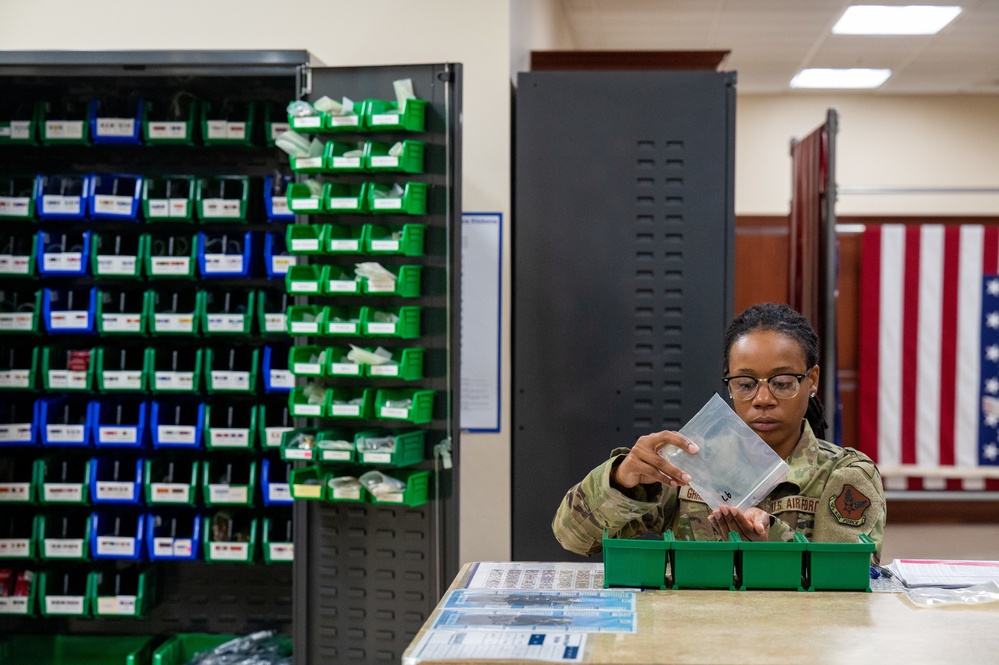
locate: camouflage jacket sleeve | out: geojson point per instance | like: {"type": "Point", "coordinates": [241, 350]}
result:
{"type": "Point", "coordinates": [593, 505]}
{"type": "Point", "coordinates": [852, 503]}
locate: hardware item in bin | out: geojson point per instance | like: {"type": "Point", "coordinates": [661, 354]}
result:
{"type": "Point", "coordinates": [298, 445]}
{"type": "Point", "coordinates": [344, 157]}
{"type": "Point", "coordinates": [260, 648]}
{"type": "Point", "coordinates": [224, 529]}
{"type": "Point", "coordinates": [344, 488]}
{"type": "Point", "coordinates": [382, 486]}
{"type": "Point", "coordinates": [335, 449]}
{"type": "Point", "coordinates": [306, 117]}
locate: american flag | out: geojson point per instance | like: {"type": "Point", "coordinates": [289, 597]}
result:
{"type": "Point", "coordinates": [928, 394]}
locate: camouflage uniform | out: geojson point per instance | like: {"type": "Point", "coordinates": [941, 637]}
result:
{"type": "Point", "coordinates": [831, 494]}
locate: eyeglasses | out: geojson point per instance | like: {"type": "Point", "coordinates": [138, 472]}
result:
{"type": "Point", "coordinates": [782, 386]}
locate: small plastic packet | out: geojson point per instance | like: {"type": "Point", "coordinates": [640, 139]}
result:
{"type": "Point", "coordinates": [734, 466]}
{"type": "Point", "coordinates": [381, 485]}
{"type": "Point", "coordinates": [987, 592]}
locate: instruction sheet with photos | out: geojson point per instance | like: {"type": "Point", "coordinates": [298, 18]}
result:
{"type": "Point", "coordinates": [540, 576]}
{"type": "Point", "coordinates": [487, 645]}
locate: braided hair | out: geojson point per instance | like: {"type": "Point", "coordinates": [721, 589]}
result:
{"type": "Point", "coordinates": [786, 321]}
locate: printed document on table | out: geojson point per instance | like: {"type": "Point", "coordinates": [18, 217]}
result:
{"type": "Point", "coordinates": [462, 646]}
{"type": "Point", "coordinates": [540, 576]}
{"type": "Point", "coordinates": [943, 573]}
{"type": "Point", "coordinates": [576, 601]}
{"type": "Point", "coordinates": [542, 621]}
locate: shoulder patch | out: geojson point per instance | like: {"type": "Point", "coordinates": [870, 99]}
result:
{"type": "Point", "coordinates": [849, 506]}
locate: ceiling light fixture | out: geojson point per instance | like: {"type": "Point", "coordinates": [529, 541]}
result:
{"type": "Point", "coordinates": [885, 20]}
{"type": "Point", "coordinates": [840, 78]}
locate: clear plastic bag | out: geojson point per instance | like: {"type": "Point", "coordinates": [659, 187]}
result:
{"type": "Point", "coordinates": [987, 592]}
{"type": "Point", "coordinates": [734, 466]}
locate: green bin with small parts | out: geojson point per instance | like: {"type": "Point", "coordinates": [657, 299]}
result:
{"type": "Point", "coordinates": [840, 566]}
{"type": "Point", "coordinates": [232, 372]}
{"type": "Point", "coordinates": [117, 255]}
{"type": "Point", "coordinates": [303, 200]}
{"type": "Point", "coordinates": [237, 544]}
{"type": "Point", "coordinates": [349, 402]}
{"type": "Point", "coordinates": [407, 283]}
{"type": "Point", "coordinates": [19, 369]}
{"type": "Point", "coordinates": [64, 536]}
{"type": "Point", "coordinates": [343, 239]}
{"type": "Point", "coordinates": [344, 157]}
{"type": "Point", "coordinates": [306, 360]}
{"type": "Point", "coordinates": [334, 445]}
{"type": "Point", "coordinates": [342, 321]}
{"type": "Point", "coordinates": [299, 444]}
{"type": "Point", "coordinates": [416, 406]}
{"type": "Point", "coordinates": [343, 487]}
{"type": "Point", "coordinates": [408, 157]}
{"type": "Point", "coordinates": [635, 562]}
{"type": "Point", "coordinates": [305, 238]}
{"type": "Point", "coordinates": [278, 547]}
{"type": "Point", "coordinates": [767, 565]}
{"type": "Point", "coordinates": [183, 647]}
{"type": "Point", "coordinates": [338, 364]}
{"type": "Point", "coordinates": [231, 481]}
{"type": "Point", "coordinates": [170, 481]}
{"type": "Point", "coordinates": [301, 406]}
{"type": "Point", "coordinates": [65, 593]}
{"type": "Point", "coordinates": [123, 369]}
{"type": "Point", "coordinates": [19, 122]}
{"type": "Point", "coordinates": [18, 254]}
{"type": "Point", "coordinates": [222, 198]}
{"type": "Point", "coordinates": [381, 115]}
{"type": "Point", "coordinates": [385, 199]}
{"type": "Point", "coordinates": [172, 257]}
{"type": "Point", "coordinates": [61, 370]}
{"type": "Point", "coordinates": [168, 198]}
{"type": "Point", "coordinates": [305, 279]}
{"type": "Point", "coordinates": [416, 492]}
{"type": "Point", "coordinates": [703, 564]}
{"type": "Point", "coordinates": [406, 449]}
{"type": "Point", "coordinates": [345, 198]}
{"type": "Point", "coordinates": [17, 198]}
{"type": "Point", "coordinates": [304, 319]}
{"type": "Point", "coordinates": [124, 312]}
{"type": "Point", "coordinates": [119, 593]}
{"type": "Point", "coordinates": [350, 121]}
{"type": "Point", "coordinates": [405, 240]}
{"type": "Point", "coordinates": [228, 123]}
{"type": "Point", "coordinates": [407, 365]}
{"type": "Point", "coordinates": [307, 483]}
{"type": "Point", "coordinates": [272, 318]}
{"type": "Point", "coordinates": [403, 322]}
{"type": "Point", "coordinates": [170, 123]}
{"type": "Point", "coordinates": [75, 650]}
{"type": "Point", "coordinates": [230, 427]}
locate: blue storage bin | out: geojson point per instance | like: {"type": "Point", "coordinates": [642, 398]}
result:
{"type": "Point", "coordinates": [224, 254]}
{"type": "Point", "coordinates": [64, 422]}
{"type": "Point", "coordinates": [277, 258]}
{"type": "Point", "coordinates": [18, 422]}
{"type": "Point", "coordinates": [118, 424]}
{"type": "Point", "coordinates": [115, 481]}
{"type": "Point", "coordinates": [274, 483]}
{"type": "Point", "coordinates": [277, 377]}
{"type": "Point", "coordinates": [62, 196]}
{"type": "Point", "coordinates": [174, 537]}
{"type": "Point", "coordinates": [69, 310]}
{"type": "Point", "coordinates": [115, 123]}
{"type": "Point", "coordinates": [115, 196]}
{"type": "Point", "coordinates": [275, 198]}
{"type": "Point", "coordinates": [63, 254]}
{"type": "Point", "coordinates": [117, 535]}
{"type": "Point", "coordinates": [176, 424]}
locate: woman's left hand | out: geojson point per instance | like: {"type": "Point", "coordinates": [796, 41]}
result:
{"type": "Point", "coordinates": [752, 525]}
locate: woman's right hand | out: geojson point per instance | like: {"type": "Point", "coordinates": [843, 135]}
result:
{"type": "Point", "coordinates": [644, 465]}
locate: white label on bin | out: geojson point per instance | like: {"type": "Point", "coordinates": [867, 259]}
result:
{"type": "Point", "coordinates": [309, 121]}
{"type": "Point", "coordinates": [275, 322]}
{"type": "Point", "coordinates": [346, 162]}
{"type": "Point", "coordinates": [394, 497]}
{"type": "Point", "coordinates": [279, 206]}
{"type": "Point", "coordinates": [115, 546]}
{"type": "Point", "coordinates": [223, 263]}
{"type": "Point", "coordinates": [17, 321]}
{"type": "Point", "coordinates": [281, 264]}
{"type": "Point", "coordinates": [63, 261]}
{"type": "Point", "coordinates": [121, 323]}
{"type": "Point", "coordinates": [226, 322]}
{"type": "Point", "coordinates": [229, 380]}
{"type": "Point", "coordinates": [282, 378]}
{"type": "Point", "coordinates": [222, 129]}
{"type": "Point", "coordinates": [122, 380]}
{"type": "Point", "coordinates": [172, 547]}
{"type": "Point", "coordinates": [342, 328]}
{"type": "Point", "coordinates": [169, 492]}
{"type": "Point", "coordinates": [312, 369]}
{"type": "Point", "coordinates": [334, 455]}
{"type": "Point", "coordinates": [304, 287]}
{"type": "Point", "coordinates": [382, 328]}
{"type": "Point", "coordinates": [342, 285]}
{"type": "Point", "coordinates": [304, 245]}
{"type": "Point", "coordinates": [346, 409]}
{"type": "Point", "coordinates": [15, 378]}
{"type": "Point", "coordinates": [220, 208]}
{"type": "Point", "coordinates": [113, 205]}
{"type": "Point", "coordinates": [228, 493]}
{"type": "Point", "coordinates": [279, 128]}
{"type": "Point", "coordinates": [64, 604]}
{"type": "Point", "coordinates": [386, 118]}
{"type": "Point", "coordinates": [282, 551]}
{"type": "Point", "coordinates": [272, 436]}
{"type": "Point", "coordinates": [305, 327]}
{"type": "Point", "coordinates": [229, 551]}
{"type": "Point", "coordinates": [345, 245]}
{"type": "Point", "coordinates": [63, 548]}
{"type": "Point", "coordinates": [388, 204]}
{"type": "Point", "coordinates": [176, 434]}
{"type": "Point", "coordinates": [15, 432]}
{"type": "Point", "coordinates": [385, 245]}
{"type": "Point", "coordinates": [174, 322]}
{"type": "Point", "coordinates": [66, 433]}
{"type": "Point", "coordinates": [221, 437]}
{"type": "Point", "coordinates": [345, 120]}
{"type": "Point", "coordinates": [347, 493]}
{"type": "Point", "coordinates": [64, 129]}
{"type": "Point", "coordinates": [384, 370]}
{"type": "Point", "coordinates": [168, 130]}
{"type": "Point", "coordinates": [108, 264]}
{"type": "Point", "coordinates": [344, 203]}
{"type": "Point", "coordinates": [309, 163]}
{"type": "Point", "coordinates": [62, 492]}
{"type": "Point", "coordinates": [345, 369]}
{"type": "Point", "coordinates": [385, 160]}
{"type": "Point", "coordinates": [67, 380]}
{"type": "Point", "coordinates": [11, 264]}
{"type": "Point", "coordinates": [109, 490]}
{"type": "Point", "coordinates": [377, 458]}
{"type": "Point", "coordinates": [297, 453]}
{"type": "Point", "coordinates": [64, 205]}
{"type": "Point", "coordinates": [18, 129]}
{"type": "Point", "coordinates": [117, 434]}
{"type": "Point", "coordinates": [308, 410]}
{"type": "Point", "coordinates": [393, 412]}
{"type": "Point", "coordinates": [170, 265]}
{"type": "Point", "coordinates": [173, 380]}
{"type": "Point", "coordinates": [14, 492]}
{"type": "Point", "coordinates": [14, 547]}
{"type": "Point", "coordinates": [116, 605]}
{"type": "Point", "coordinates": [14, 206]}
{"type": "Point", "coordinates": [70, 320]}
{"type": "Point", "coordinates": [379, 287]}
{"type": "Point", "coordinates": [305, 204]}
{"type": "Point", "coordinates": [168, 207]}
{"type": "Point", "coordinates": [115, 126]}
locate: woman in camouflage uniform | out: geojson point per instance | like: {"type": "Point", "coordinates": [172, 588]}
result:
{"type": "Point", "coordinates": [831, 494]}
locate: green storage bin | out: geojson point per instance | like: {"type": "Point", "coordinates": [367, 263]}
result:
{"type": "Point", "coordinates": [117, 255]}
{"type": "Point", "coordinates": [66, 593]}
{"type": "Point", "coordinates": [222, 198]}
{"type": "Point", "coordinates": [19, 369]}
{"type": "Point", "coordinates": [407, 365]}
{"type": "Point", "coordinates": [277, 541]}
{"type": "Point", "coordinates": [24, 606]}
{"type": "Point", "coordinates": [168, 198]}
{"type": "Point", "coordinates": [230, 482]}
{"type": "Point", "coordinates": [20, 310]}
{"type": "Point", "coordinates": [65, 123]}
{"type": "Point", "coordinates": [18, 251]}
{"type": "Point", "coordinates": [305, 319]}
{"type": "Point", "coordinates": [305, 238]}
{"type": "Point", "coordinates": [403, 322]}
{"type": "Point", "coordinates": [122, 312]}
{"type": "Point", "coordinates": [345, 198]}
{"type": "Point", "coordinates": [123, 369]}
{"type": "Point", "coordinates": [20, 483]}
{"type": "Point", "coordinates": [240, 543]}
{"type": "Point", "coordinates": [76, 650]}
{"type": "Point", "coordinates": [64, 537]}
{"type": "Point", "coordinates": [275, 121]}
{"type": "Point", "coordinates": [766, 565]}
{"type": "Point", "coordinates": [274, 420]}
{"type": "Point", "coordinates": [406, 240]}
{"type": "Point", "coordinates": [410, 160]}
{"type": "Point", "coordinates": [304, 279]}
{"type": "Point", "coordinates": [416, 406]}
{"type": "Point", "coordinates": [409, 448]}
{"type": "Point", "coordinates": [413, 200]}
{"type": "Point", "coordinates": [310, 164]}
{"type": "Point", "coordinates": [341, 492]}
{"type": "Point", "coordinates": [349, 402]}
{"type": "Point", "coordinates": [182, 647]}
{"type": "Point", "coordinates": [407, 283]}
{"type": "Point", "coordinates": [335, 445]}
{"type": "Point", "coordinates": [227, 312]}
{"type": "Point", "coordinates": [338, 280]}
{"type": "Point", "coordinates": [63, 480]}
{"type": "Point", "coordinates": [59, 375]}
{"type": "Point", "coordinates": [227, 123]}
{"type": "Point", "coordinates": [341, 321]}
{"type": "Point", "coordinates": [307, 124]}
{"type": "Point", "coordinates": [230, 427]}
{"type": "Point", "coordinates": [300, 406]}
{"type": "Point", "coordinates": [171, 256]}
{"type": "Point", "coordinates": [19, 537]}
{"type": "Point", "coordinates": [302, 200]}
{"type": "Point", "coordinates": [175, 312]}
{"type": "Point", "coordinates": [17, 198]}
{"type": "Point", "coordinates": [840, 566]}
{"type": "Point", "coordinates": [307, 483]}
{"type": "Point", "coordinates": [233, 371]}
{"type": "Point", "coordinates": [351, 121]}
{"type": "Point", "coordinates": [128, 592]}
{"type": "Point", "coordinates": [19, 122]}
{"type": "Point", "coordinates": [170, 123]}
{"type": "Point", "coordinates": [344, 157]}
{"type": "Point", "coordinates": [299, 445]}
{"type": "Point", "coordinates": [381, 115]}
{"type": "Point", "coordinates": [416, 492]}
{"type": "Point", "coordinates": [699, 564]}
{"type": "Point", "coordinates": [175, 370]}
{"type": "Point", "coordinates": [337, 364]}
{"type": "Point", "coordinates": [272, 317]}
{"type": "Point", "coordinates": [307, 360]}
{"type": "Point", "coordinates": [170, 481]}
{"type": "Point", "coordinates": [343, 239]}
{"type": "Point", "coordinates": [635, 562]}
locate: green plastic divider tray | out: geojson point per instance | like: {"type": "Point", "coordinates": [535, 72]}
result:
{"type": "Point", "coordinates": [229, 483]}
{"type": "Point", "coordinates": [304, 279]}
{"type": "Point", "coordinates": [216, 204]}
{"type": "Point", "coordinates": [302, 200]}
{"type": "Point", "coordinates": [413, 200]}
{"type": "Point", "coordinates": [415, 406]}
{"type": "Point", "coordinates": [21, 605]}
{"type": "Point", "coordinates": [635, 562]}
{"type": "Point", "coordinates": [175, 370]}
{"type": "Point", "coordinates": [117, 255]}
{"type": "Point", "coordinates": [20, 122]}
{"type": "Point", "coordinates": [408, 448]}
{"type": "Point", "coordinates": [416, 492]}
{"type": "Point", "coordinates": [20, 310]}
{"type": "Point", "coordinates": [168, 198]}
{"type": "Point", "coordinates": [19, 370]}
{"type": "Point", "coordinates": [172, 256]}
{"type": "Point", "coordinates": [348, 122]}
{"type": "Point", "coordinates": [699, 564]}
{"type": "Point", "coordinates": [304, 239]}
{"type": "Point", "coordinates": [170, 481]}
{"type": "Point", "coordinates": [345, 198]}
{"type": "Point", "coordinates": [175, 312]}
{"type": "Point", "coordinates": [381, 115]}
{"type": "Point", "coordinates": [232, 372]}
{"type": "Point", "coordinates": [19, 254]}
{"type": "Point", "coordinates": [20, 537]}
{"type": "Point", "coordinates": [227, 124]}
{"type": "Point", "coordinates": [75, 650]}
{"type": "Point", "coordinates": [169, 124]}
{"type": "Point", "coordinates": [349, 402]}
{"type": "Point", "coordinates": [410, 160]}
{"type": "Point", "coordinates": [17, 198]}
{"type": "Point", "coordinates": [61, 369]}
{"type": "Point", "coordinates": [230, 427]}
{"type": "Point", "coordinates": [406, 285]}
{"type": "Point", "coordinates": [840, 566]}
{"type": "Point", "coordinates": [63, 480]}
{"type": "Point", "coordinates": [403, 322]}
{"type": "Point", "coordinates": [123, 369]}
{"type": "Point", "coordinates": [407, 366]}
{"type": "Point", "coordinates": [119, 594]}
{"type": "Point", "coordinates": [306, 483]}
{"type": "Point", "coordinates": [406, 240]}
{"type": "Point", "coordinates": [343, 157]}
{"type": "Point", "coordinates": [229, 313]}
{"type": "Point", "coordinates": [182, 647]}
{"type": "Point", "coordinates": [123, 312]}
{"type": "Point", "coordinates": [342, 321]}
{"type": "Point", "coordinates": [766, 565]}
{"type": "Point", "coordinates": [69, 594]}
{"type": "Point", "coordinates": [343, 239]}
{"type": "Point", "coordinates": [241, 546]}
{"type": "Point", "coordinates": [277, 550]}
{"type": "Point", "coordinates": [64, 537]}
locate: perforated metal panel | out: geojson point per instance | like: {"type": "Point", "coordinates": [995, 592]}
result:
{"type": "Point", "coordinates": [623, 246]}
